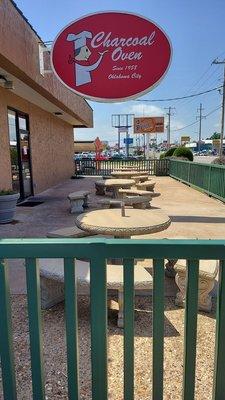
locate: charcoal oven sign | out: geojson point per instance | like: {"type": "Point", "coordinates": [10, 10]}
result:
{"type": "Point", "coordinates": [111, 56]}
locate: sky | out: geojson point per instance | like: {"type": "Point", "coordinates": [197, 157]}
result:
{"type": "Point", "coordinates": [197, 33]}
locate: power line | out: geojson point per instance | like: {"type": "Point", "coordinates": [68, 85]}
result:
{"type": "Point", "coordinates": [185, 102]}
{"type": "Point", "coordinates": [179, 98]}
{"type": "Point", "coordinates": [195, 122]}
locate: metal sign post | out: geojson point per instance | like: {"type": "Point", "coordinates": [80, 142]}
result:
{"type": "Point", "coordinates": [122, 122]}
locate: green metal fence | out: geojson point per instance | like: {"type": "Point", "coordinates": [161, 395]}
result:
{"type": "Point", "coordinates": [98, 250]}
{"type": "Point", "coordinates": [207, 177]}
{"type": "Point", "coordinates": [105, 168]}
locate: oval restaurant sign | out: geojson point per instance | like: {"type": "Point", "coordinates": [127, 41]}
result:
{"type": "Point", "coordinates": [111, 56]}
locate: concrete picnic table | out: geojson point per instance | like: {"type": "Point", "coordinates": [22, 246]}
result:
{"type": "Point", "coordinates": [116, 184]}
{"type": "Point", "coordinates": [135, 222]}
{"type": "Point", "coordinates": [125, 174]}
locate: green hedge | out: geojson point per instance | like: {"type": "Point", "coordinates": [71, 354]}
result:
{"type": "Point", "coordinates": [170, 152]}
{"type": "Point", "coordinates": [183, 152]}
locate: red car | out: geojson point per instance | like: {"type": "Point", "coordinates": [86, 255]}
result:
{"type": "Point", "coordinates": [101, 157]}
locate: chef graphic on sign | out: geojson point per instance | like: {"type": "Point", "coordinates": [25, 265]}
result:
{"type": "Point", "coordinates": [82, 53]}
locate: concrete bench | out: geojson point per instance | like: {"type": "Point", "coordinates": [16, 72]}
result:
{"type": "Point", "coordinates": [136, 192]}
{"type": "Point", "coordinates": [139, 202]}
{"type": "Point", "coordinates": [52, 281]}
{"type": "Point", "coordinates": [78, 201]}
{"type": "Point", "coordinates": [100, 188]}
{"type": "Point", "coordinates": [147, 185]}
{"type": "Point", "coordinates": [140, 178]}
{"type": "Point", "coordinates": [70, 232]}
{"type": "Point", "coordinates": [208, 270]}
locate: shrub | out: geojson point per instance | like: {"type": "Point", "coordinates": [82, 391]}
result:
{"type": "Point", "coordinates": [219, 160]}
{"type": "Point", "coordinates": [183, 152]}
{"type": "Point", "coordinates": [169, 153]}
{"type": "Point", "coordinates": [162, 156]}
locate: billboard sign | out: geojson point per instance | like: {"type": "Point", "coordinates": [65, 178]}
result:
{"type": "Point", "coordinates": [106, 61]}
{"type": "Point", "coordinates": [184, 140]}
{"type": "Point", "coordinates": [149, 125]}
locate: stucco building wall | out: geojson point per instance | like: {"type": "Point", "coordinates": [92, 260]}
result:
{"type": "Point", "coordinates": [52, 144]}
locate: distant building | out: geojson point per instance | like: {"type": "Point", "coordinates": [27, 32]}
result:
{"type": "Point", "coordinates": [84, 146]}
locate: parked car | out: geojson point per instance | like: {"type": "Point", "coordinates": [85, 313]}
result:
{"type": "Point", "coordinates": [117, 156]}
{"type": "Point", "coordinates": [101, 157]}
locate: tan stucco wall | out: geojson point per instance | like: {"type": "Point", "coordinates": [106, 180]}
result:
{"type": "Point", "coordinates": [19, 56]}
{"type": "Point", "coordinates": [52, 144]}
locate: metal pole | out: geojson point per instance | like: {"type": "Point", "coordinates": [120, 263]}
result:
{"type": "Point", "coordinates": [168, 125]}
{"type": "Point", "coordinates": [168, 128]}
{"type": "Point", "coordinates": [147, 146]}
{"type": "Point", "coordinates": [144, 145]}
{"type": "Point", "coordinates": [223, 109]}
{"type": "Point", "coordinates": [200, 128]}
{"type": "Point", "coordinates": [119, 140]}
{"type": "Point", "coordinates": [127, 143]}
{"type": "Point", "coordinates": [222, 117]}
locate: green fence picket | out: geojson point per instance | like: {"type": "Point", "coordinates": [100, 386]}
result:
{"type": "Point", "coordinates": [190, 329]}
{"type": "Point", "coordinates": [99, 328]}
{"type": "Point", "coordinates": [34, 314]}
{"type": "Point", "coordinates": [71, 329]}
{"type": "Point", "coordinates": [219, 381]}
{"type": "Point", "coordinates": [158, 329]}
{"type": "Point", "coordinates": [128, 274]}
{"type": "Point", "coordinates": [6, 343]}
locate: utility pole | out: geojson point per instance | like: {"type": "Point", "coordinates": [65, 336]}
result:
{"type": "Point", "coordinates": [168, 125]}
{"type": "Point", "coordinates": [223, 107]}
{"type": "Point", "coordinates": [200, 117]}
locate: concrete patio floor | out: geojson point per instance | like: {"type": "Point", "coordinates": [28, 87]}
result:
{"type": "Point", "coordinates": [193, 215]}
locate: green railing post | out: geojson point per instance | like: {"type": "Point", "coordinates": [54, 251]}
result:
{"type": "Point", "coordinates": [219, 381]}
{"type": "Point", "coordinates": [158, 329]}
{"type": "Point", "coordinates": [128, 274]}
{"type": "Point", "coordinates": [209, 178]}
{"type": "Point", "coordinates": [6, 342]}
{"type": "Point", "coordinates": [71, 329]}
{"type": "Point", "coordinates": [190, 329]}
{"type": "Point", "coordinates": [99, 327]}
{"type": "Point", "coordinates": [34, 313]}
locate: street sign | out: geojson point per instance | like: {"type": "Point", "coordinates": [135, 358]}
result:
{"type": "Point", "coordinates": [184, 140]}
{"type": "Point", "coordinates": [128, 141]}
{"type": "Point", "coordinates": [216, 143]}
{"type": "Point", "coordinates": [106, 61]}
{"type": "Point", "coordinates": [149, 125]}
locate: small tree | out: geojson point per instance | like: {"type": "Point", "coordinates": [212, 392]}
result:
{"type": "Point", "coordinates": [215, 136]}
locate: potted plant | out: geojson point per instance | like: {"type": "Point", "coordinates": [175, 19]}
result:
{"type": "Point", "coordinates": [8, 200]}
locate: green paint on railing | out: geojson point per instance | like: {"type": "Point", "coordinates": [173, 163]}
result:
{"type": "Point", "coordinates": [71, 329]}
{"type": "Point", "coordinates": [6, 344]}
{"type": "Point", "coordinates": [128, 274]}
{"type": "Point", "coordinates": [158, 329]}
{"type": "Point", "coordinates": [99, 327]}
{"type": "Point", "coordinates": [98, 250]}
{"type": "Point", "coordinates": [208, 178]}
{"type": "Point", "coordinates": [34, 313]}
{"type": "Point", "coordinates": [190, 329]}
{"type": "Point", "coordinates": [219, 381]}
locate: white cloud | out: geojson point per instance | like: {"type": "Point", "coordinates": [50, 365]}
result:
{"type": "Point", "coordinates": [144, 109]}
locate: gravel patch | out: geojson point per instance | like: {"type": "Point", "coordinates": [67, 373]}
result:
{"type": "Point", "coordinates": [55, 351]}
